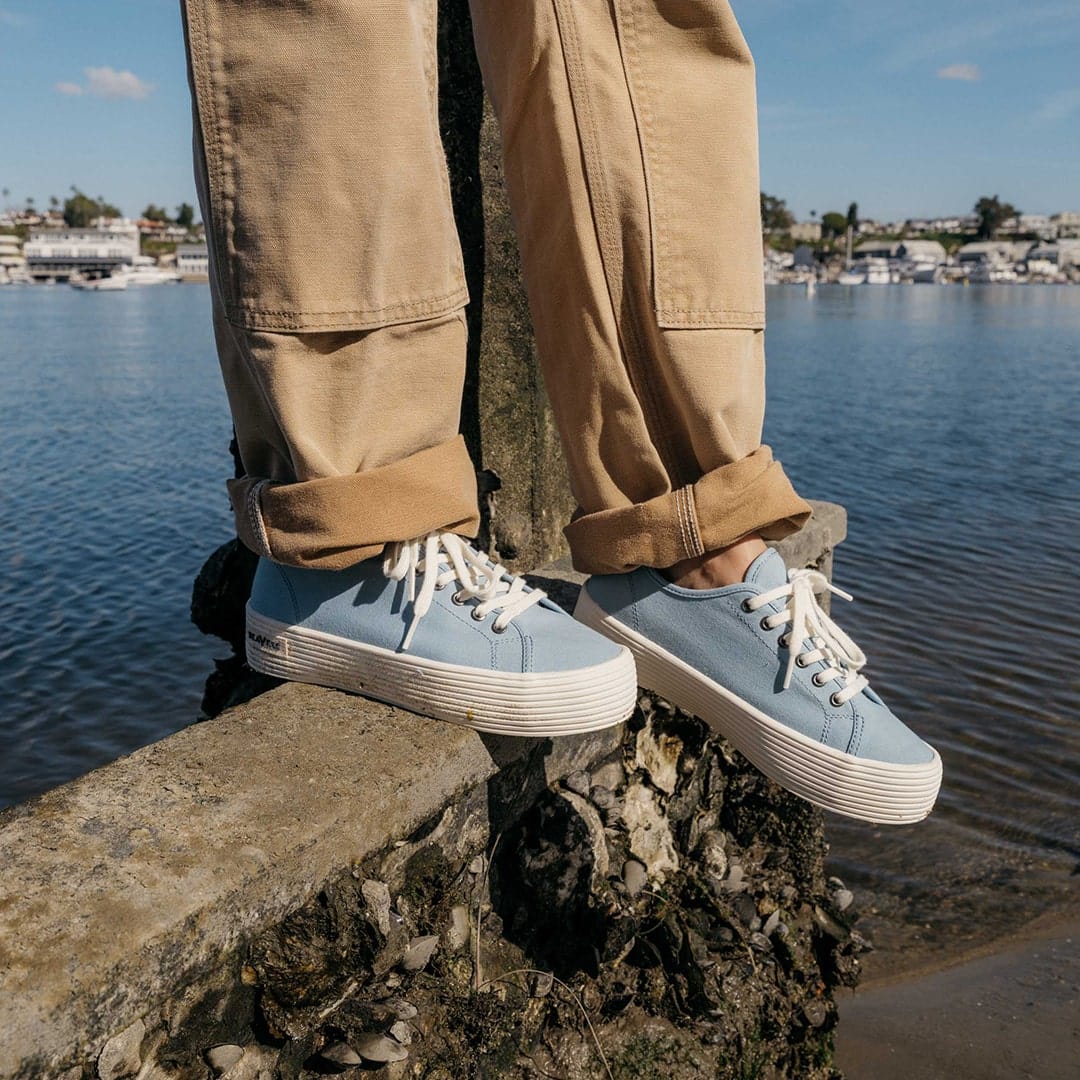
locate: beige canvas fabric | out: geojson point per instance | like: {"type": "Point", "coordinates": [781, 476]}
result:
{"type": "Point", "coordinates": [630, 145]}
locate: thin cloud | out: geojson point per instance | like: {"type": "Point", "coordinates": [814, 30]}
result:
{"type": "Point", "coordinates": [108, 83]}
{"type": "Point", "coordinates": [960, 72]}
{"type": "Point", "coordinates": [11, 18]}
{"type": "Point", "coordinates": [1059, 107]}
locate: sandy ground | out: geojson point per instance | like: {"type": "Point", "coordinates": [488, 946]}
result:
{"type": "Point", "coordinates": [1012, 1014]}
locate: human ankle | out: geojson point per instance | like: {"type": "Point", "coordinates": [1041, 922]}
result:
{"type": "Point", "coordinates": [715, 569]}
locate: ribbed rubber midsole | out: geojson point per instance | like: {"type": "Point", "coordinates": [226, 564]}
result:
{"type": "Point", "coordinates": [877, 791]}
{"type": "Point", "coordinates": [533, 704]}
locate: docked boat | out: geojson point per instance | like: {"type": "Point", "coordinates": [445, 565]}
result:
{"type": "Point", "coordinates": [115, 283]}
{"type": "Point", "coordinates": [144, 271]}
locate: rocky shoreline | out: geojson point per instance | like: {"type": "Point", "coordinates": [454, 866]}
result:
{"type": "Point", "coordinates": [663, 914]}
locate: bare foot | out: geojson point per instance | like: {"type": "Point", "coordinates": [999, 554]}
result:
{"type": "Point", "coordinates": [715, 569]}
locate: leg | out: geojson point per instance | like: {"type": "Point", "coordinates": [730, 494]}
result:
{"type": "Point", "coordinates": [630, 139]}
{"type": "Point", "coordinates": [336, 274]}
{"type": "Point", "coordinates": [337, 291]}
{"type": "Point", "coordinates": [632, 166]}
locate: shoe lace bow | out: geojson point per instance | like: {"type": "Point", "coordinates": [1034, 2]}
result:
{"type": "Point", "coordinates": [810, 623]}
{"type": "Point", "coordinates": [443, 558]}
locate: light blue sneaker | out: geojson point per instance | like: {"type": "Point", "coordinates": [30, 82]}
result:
{"type": "Point", "coordinates": [763, 664]}
{"type": "Point", "coordinates": [472, 644]}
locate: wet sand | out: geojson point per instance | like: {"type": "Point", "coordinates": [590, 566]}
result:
{"type": "Point", "coordinates": [1000, 1015]}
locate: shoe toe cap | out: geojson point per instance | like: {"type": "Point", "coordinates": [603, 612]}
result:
{"type": "Point", "coordinates": [883, 736]}
{"type": "Point", "coordinates": [556, 642]}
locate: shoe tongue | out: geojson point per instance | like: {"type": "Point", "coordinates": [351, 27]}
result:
{"type": "Point", "coordinates": [767, 571]}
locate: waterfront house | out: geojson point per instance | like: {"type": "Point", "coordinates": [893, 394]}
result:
{"type": "Point", "coordinates": [60, 253]}
{"type": "Point", "coordinates": [193, 262]}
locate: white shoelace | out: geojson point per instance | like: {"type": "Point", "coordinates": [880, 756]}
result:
{"type": "Point", "coordinates": [842, 657]}
{"type": "Point", "coordinates": [477, 579]}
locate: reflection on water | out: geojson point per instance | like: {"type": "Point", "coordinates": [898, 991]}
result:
{"type": "Point", "coordinates": [943, 418]}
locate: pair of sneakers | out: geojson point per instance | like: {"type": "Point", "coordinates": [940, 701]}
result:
{"type": "Point", "coordinates": [436, 627]}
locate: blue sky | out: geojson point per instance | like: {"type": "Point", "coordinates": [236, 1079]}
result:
{"type": "Point", "coordinates": [911, 109]}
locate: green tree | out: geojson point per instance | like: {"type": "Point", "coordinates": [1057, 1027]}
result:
{"type": "Point", "coordinates": [853, 215]}
{"type": "Point", "coordinates": [155, 213]}
{"type": "Point", "coordinates": [992, 214]}
{"type": "Point", "coordinates": [833, 224]}
{"type": "Point", "coordinates": [80, 210]}
{"type": "Point", "coordinates": [775, 216]}
{"type": "Point", "coordinates": [185, 215]}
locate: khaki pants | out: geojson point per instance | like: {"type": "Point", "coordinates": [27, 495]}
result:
{"type": "Point", "coordinates": [630, 143]}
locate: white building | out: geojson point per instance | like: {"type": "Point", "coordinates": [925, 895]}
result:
{"type": "Point", "coordinates": [193, 262]}
{"type": "Point", "coordinates": [12, 260]}
{"type": "Point", "coordinates": [993, 252]}
{"type": "Point", "coordinates": [1067, 224]}
{"type": "Point", "coordinates": [59, 253]}
{"type": "Point", "coordinates": [806, 231]}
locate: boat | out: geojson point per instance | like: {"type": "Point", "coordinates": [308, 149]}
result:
{"type": "Point", "coordinates": [102, 284]}
{"type": "Point", "coordinates": [145, 271]}
{"type": "Point", "coordinates": [850, 277]}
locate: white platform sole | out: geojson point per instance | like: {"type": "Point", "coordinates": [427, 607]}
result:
{"type": "Point", "coordinates": [874, 791]}
{"type": "Point", "coordinates": [535, 704]}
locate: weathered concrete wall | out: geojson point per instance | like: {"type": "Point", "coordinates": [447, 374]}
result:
{"type": "Point", "coordinates": [225, 887]}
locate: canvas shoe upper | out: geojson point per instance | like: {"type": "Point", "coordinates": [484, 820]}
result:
{"type": "Point", "coordinates": [436, 627]}
{"type": "Point", "coordinates": [763, 663]}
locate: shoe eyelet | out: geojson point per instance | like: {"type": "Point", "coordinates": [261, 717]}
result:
{"type": "Point", "coordinates": [817, 680]}
{"type": "Point", "coordinates": [458, 599]}
{"type": "Point", "coordinates": [745, 605]}
{"type": "Point", "coordinates": [834, 702]}
{"type": "Point", "coordinates": [800, 660]}
{"type": "Point", "coordinates": [498, 629]}
{"type": "Point", "coordinates": [785, 641]}
{"type": "Point", "coordinates": [439, 587]}
{"type": "Point", "coordinates": [764, 624]}
{"type": "Point", "coordinates": [477, 617]}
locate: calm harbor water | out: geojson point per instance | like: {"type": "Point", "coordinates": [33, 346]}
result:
{"type": "Point", "coordinates": [945, 419]}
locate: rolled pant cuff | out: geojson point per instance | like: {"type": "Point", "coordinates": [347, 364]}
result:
{"type": "Point", "coordinates": [335, 521]}
{"type": "Point", "coordinates": [749, 495]}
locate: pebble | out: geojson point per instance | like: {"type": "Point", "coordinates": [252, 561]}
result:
{"type": "Point", "coordinates": [578, 782]}
{"type": "Point", "coordinates": [713, 854]}
{"type": "Point", "coordinates": [402, 1032]}
{"type": "Point", "coordinates": [377, 897]}
{"type": "Point", "coordinates": [771, 923]}
{"type": "Point", "coordinates": [224, 1057]}
{"type": "Point", "coordinates": [815, 1012]}
{"type": "Point", "coordinates": [843, 899]}
{"type": "Point", "coordinates": [380, 1049]}
{"type": "Point", "coordinates": [418, 953]}
{"type": "Point", "coordinates": [341, 1053]}
{"type": "Point", "coordinates": [477, 865]}
{"type": "Point", "coordinates": [634, 876]}
{"type": "Point", "coordinates": [542, 983]}
{"type": "Point", "coordinates": [457, 936]}
{"type": "Point", "coordinates": [402, 1009]}
{"type": "Point", "coordinates": [759, 941]}
{"type": "Point", "coordinates": [788, 893]}
{"type": "Point", "coordinates": [120, 1056]}
{"type": "Point", "coordinates": [746, 909]}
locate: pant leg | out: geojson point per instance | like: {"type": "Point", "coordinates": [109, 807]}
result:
{"type": "Point", "coordinates": [630, 142]}
{"type": "Point", "coordinates": [336, 275]}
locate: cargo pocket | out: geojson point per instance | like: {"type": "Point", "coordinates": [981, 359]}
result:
{"type": "Point", "coordinates": [691, 79]}
{"type": "Point", "coordinates": [325, 187]}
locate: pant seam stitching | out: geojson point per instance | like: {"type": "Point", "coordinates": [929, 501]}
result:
{"type": "Point", "coordinates": [691, 513]}
{"type": "Point", "coordinates": [255, 518]}
{"type": "Point", "coordinates": [631, 340]}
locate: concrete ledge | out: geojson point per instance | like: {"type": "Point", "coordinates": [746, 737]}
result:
{"type": "Point", "coordinates": [122, 886]}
